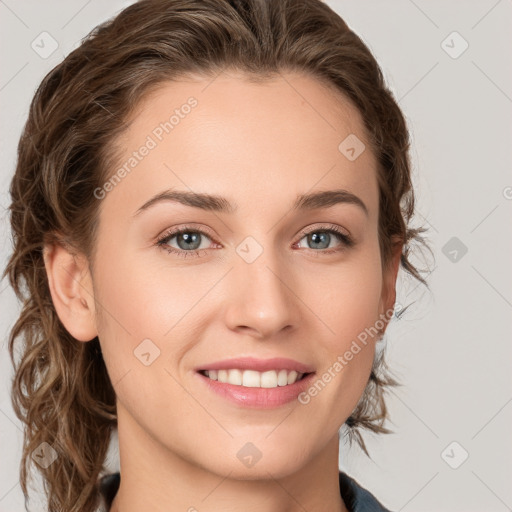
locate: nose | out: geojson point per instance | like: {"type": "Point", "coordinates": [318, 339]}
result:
{"type": "Point", "coordinates": [260, 298]}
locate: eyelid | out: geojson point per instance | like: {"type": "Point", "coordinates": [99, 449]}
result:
{"type": "Point", "coordinates": [325, 227]}
{"type": "Point", "coordinates": [186, 227]}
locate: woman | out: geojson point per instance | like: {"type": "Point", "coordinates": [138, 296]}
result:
{"type": "Point", "coordinates": [210, 207]}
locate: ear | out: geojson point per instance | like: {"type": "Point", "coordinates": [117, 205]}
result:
{"type": "Point", "coordinates": [390, 273]}
{"type": "Point", "coordinates": [71, 289]}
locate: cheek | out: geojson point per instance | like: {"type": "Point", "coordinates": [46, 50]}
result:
{"type": "Point", "coordinates": [151, 299]}
{"type": "Point", "coordinates": [139, 309]}
{"type": "Point", "coordinates": [125, 318]}
{"type": "Point", "coordinates": [347, 303]}
{"type": "Point", "coordinates": [346, 299]}
{"type": "Point", "coordinates": [136, 296]}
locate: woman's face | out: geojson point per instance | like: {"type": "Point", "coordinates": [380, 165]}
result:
{"type": "Point", "coordinates": [253, 276]}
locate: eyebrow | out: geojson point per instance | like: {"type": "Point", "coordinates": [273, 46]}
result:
{"type": "Point", "coordinates": [215, 203]}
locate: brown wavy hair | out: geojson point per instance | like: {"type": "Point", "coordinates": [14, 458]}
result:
{"type": "Point", "coordinates": [61, 390]}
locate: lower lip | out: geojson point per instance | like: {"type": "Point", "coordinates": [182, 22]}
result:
{"type": "Point", "coordinates": [258, 398]}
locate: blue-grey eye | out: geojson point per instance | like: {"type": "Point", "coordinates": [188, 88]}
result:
{"type": "Point", "coordinates": [320, 238]}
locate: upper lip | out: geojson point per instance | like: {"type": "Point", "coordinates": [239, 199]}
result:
{"type": "Point", "coordinates": [260, 365]}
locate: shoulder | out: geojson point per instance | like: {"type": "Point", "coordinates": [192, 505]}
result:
{"type": "Point", "coordinates": [357, 498]}
{"type": "Point", "coordinates": [108, 486]}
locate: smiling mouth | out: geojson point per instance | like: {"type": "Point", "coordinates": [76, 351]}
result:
{"type": "Point", "coordinates": [255, 379]}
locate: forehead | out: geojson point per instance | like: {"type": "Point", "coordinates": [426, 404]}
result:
{"type": "Point", "coordinates": [230, 136]}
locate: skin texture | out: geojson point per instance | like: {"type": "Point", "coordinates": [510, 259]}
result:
{"type": "Point", "coordinates": [259, 146]}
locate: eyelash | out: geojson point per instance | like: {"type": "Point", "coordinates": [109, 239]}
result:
{"type": "Point", "coordinates": [346, 240]}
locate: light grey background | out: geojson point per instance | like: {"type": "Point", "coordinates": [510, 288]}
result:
{"type": "Point", "coordinates": [452, 349]}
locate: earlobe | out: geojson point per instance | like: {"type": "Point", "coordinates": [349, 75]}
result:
{"type": "Point", "coordinates": [388, 297]}
{"type": "Point", "coordinates": [70, 284]}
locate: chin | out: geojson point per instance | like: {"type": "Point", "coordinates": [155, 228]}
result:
{"type": "Point", "coordinates": [248, 462]}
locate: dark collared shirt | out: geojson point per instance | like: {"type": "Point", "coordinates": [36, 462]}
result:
{"type": "Point", "coordinates": [356, 498]}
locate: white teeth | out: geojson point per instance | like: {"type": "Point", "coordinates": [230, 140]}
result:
{"type": "Point", "coordinates": [235, 377]}
{"type": "Point", "coordinates": [254, 379]}
{"type": "Point", "coordinates": [251, 379]}
{"type": "Point", "coordinates": [292, 377]}
{"type": "Point", "coordinates": [269, 379]}
{"type": "Point", "coordinates": [282, 378]}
